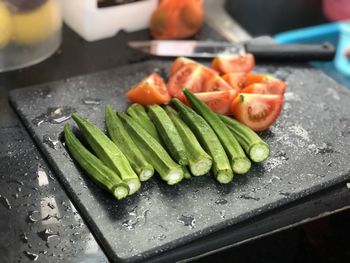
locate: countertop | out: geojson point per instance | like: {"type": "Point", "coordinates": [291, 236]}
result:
{"type": "Point", "coordinates": [38, 219]}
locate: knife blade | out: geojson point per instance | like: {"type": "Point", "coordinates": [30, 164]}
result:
{"type": "Point", "coordinates": [204, 49]}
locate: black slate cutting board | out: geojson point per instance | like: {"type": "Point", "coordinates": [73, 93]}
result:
{"type": "Point", "coordinates": [309, 151]}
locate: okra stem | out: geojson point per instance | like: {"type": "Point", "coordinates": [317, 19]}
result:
{"type": "Point", "coordinates": [94, 167]}
{"type": "Point", "coordinates": [124, 142]}
{"type": "Point", "coordinates": [239, 162]}
{"type": "Point", "coordinates": [108, 152]}
{"type": "Point", "coordinates": [253, 145]}
{"type": "Point", "coordinates": [153, 151]}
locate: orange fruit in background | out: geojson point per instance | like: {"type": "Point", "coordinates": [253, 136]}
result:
{"type": "Point", "coordinates": [5, 25]}
{"type": "Point", "coordinates": [37, 25]}
{"type": "Point", "coordinates": [176, 19]}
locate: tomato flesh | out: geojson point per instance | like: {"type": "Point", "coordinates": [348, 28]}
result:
{"type": "Point", "coordinates": [257, 111]}
{"type": "Point", "coordinates": [235, 80]}
{"type": "Point", "coordinates": [274, 85]}
{"type": "Point", "coordinates": [179, 63]}
{"type": "Point", "coordinates": [190, 76]}
{"type": "Point", "coordinates": [233, 63]}
{"type": "Point", "coordinates": [151, 90]}
{"type": "Point", "coordinates": [216, 83]}
{"type": "Point", "coordinates": [218, 101]}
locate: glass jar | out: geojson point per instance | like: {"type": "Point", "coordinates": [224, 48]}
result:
{"type": "Point", "coordinates": [30, 31]}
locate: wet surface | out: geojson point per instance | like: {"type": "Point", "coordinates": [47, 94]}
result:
{"type": "Point", "coordinates": [308, 153]}
{"type": "Point", "coordinates": [32, 199]}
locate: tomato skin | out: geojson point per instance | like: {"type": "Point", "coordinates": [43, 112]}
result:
{"type": "Point", "coordinates": [274, 85]}
{"type": "Point", "coordinates": [191, 76]}
{"type": "Point", "coordinates": [233, 63]}
{"type": "Point", "coordinates": [176, 19]}
{"type": "Point", "coordinates": [218, 101]}
{"type": "Point", "coordinates": [235, 80]}
{"type": "Point", "coordinates": [151, 90]}
{"type": "Point", "coordinates": [216, 83]}
{"type": "Point", "coordinates": [257, 111]}
{"type": "Point", "coordinates": [179, 63]}
{"type": "Point", "coordinates": [263, 88]}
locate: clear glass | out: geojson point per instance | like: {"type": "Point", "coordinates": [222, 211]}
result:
{"type": "Point", "coordinates": [30, 32]}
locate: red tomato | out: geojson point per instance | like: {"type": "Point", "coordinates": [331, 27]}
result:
{"type": "Point", "coordinates": [216, 83]}
{"type": "Point", "coordinates": [218, 101]}
{"type": "Point", "coordinates": [264, 88]}
{"type": "Point", "coordinates": [179, 63]}
{"type": "Point", "coordinates": [275, 86]}
{"type": "Point", "coordinates": [257, 111]}
{"type": "Point", "coordinates": [233, 63]}
{"type": "Point", "coordinates": [235, 80]}
{"type": "Point", "coordinates": [190, 76]}
{"type": "Point", "coordinates": [151, 90]}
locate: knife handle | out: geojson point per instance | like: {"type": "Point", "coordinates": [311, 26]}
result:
{"type": "Point", "coordinates": [291, 52]}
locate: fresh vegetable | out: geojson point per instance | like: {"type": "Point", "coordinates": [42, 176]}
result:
{"type": "Point", "coordinates": [253, 145]}
{"type": "Point", "coordinates": [187, 174]}
{"type": "Point", "coordinates": [108, 152]}
{"type": "Point", "coordinates": [257, 111]}
{"type": "Point", "coordinates": [216, 83]}
{"type": "Point", "coordinates": [273, 85]}
{"type": "Point", "coordinates": [122, 139]}
{"type": "Point", "coordinates": [233, 63]}
{"type": "Point", "coordinates": [175, 19]}
{"type": "Point", "coordinates": [156, 155]}
{"type": "Point", "coordinates": [218, 101]}
{"type": "Point", "coordinates": [151, 90]}
{"type": "Point", "coordinates": [138, 113]}
{"type": "Point", "coordinates": [179, 63]}
{"type": "Point", "coordinates": [168, 133]}
{"type": "Point", "coordinates": [190, 76]}
{"type": "Point", "coordinates": [94, 167]}
{"type": "Point", "coordinates": [263, 88]}
{"type": "Point", "coordinates": [239, 162]}
{"type": "Point", "coordinates": [221, 166]}
{"type": "Point", "coordinates": [236, 80]}
{"type": "Point", "coordinates": [199, 161]}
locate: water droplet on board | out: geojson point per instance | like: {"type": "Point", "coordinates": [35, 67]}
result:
{"type": "Point", "coordinates": [50, 142]}
{"type": "Point", "coordinates": [90, 101]}
{"type": "Point", "coordinates": [248, 197]}
{"type": "Point", "coordinates": [281, 155]}
{"type": "Point", "coordinates": [54, 115]}
{"type": "Point", "coordinates": [23, 237]}
{"type": "Point", "coordinates": [189, 221]}
{"type": "Point", "coordinates": [161, 237]}
{"type": "Point", "coordinates": [31, 256]}
{"type": "Point", "coordinates": [47, 234]}
{"type": "Point", "coordinates": [31, 218]}
{"type": "Point", "coordinates": [284, 193]}
{"type": "Point", "coordinates": [5, 202]}
{"type": "Point", "coordinates": [221, 201]}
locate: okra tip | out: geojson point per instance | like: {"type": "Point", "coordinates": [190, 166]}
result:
{"type": "Point", "coordinates": [259, 152]}
{"type": "Point", "coordinates": [120, 191]}
{"type": "Point", "coordinates": [224, 177]}
{"type": "Point", "coordinates": [241, 165]}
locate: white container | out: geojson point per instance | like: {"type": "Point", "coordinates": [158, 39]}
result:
{"type": "Point", "coordinates": [94, 23]}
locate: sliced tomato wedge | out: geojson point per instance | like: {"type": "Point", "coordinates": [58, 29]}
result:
{"type": "Point", "coordinates": [190, 76]}
{"type": "Point", "coordinates": [274, 85]}
{"type": "Point", "coordinates": [263, 88]}
{"type": "Point", "coordinates": [179, 63]}
{"type": "Point", "coordinates": [216, 83]}
{"type": "Point", "coordinates": [151, 90]}
{"type": "Point", "coordinates": [235, 80]}
{"type": "Point", "coordinates": [233, 63]}
{"type": "Point", "coordinates": [257, 111]}
{"type": "Point", "coordinates": [218, 101]}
